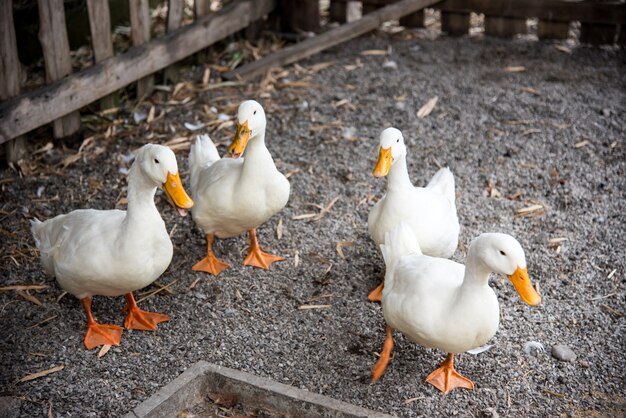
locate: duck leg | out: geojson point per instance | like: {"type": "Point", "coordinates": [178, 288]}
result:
{"type": "Point", "coordinates": [256, 257]}
{"type": "Point", "coordinates": [210, 264]}
{"type": "Point", "coordinates": [99, 334]}
{"type": "Point", "coordinates": [445, 378]}
{"type": "Point", "coordinates": [385, 355]}
{"type": "Point", "coordinates": [376, 295]}
{"type": "Point", "coordinates": [138, 319]}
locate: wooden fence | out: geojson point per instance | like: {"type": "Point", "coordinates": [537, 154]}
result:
{"type": "Point", "coordinates": [602, 22]}
{"type": "Point", "coordinates": [60, 100]}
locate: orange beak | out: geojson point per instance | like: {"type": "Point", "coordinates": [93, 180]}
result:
{"type": "Point", "coordinates": [242, 136]}
{"type": "Point", "coordinates": [384, 162]}
{"type": "Point", "coordinates": [174, 189]}
{"type": "Point", "coordinates": [522, 284]}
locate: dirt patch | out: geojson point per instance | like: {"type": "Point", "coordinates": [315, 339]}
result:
{"type": "Point", "coordinates": [551, 135]}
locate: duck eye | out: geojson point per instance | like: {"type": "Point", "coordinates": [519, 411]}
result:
{"type": "Point", "coordinates": [156, 161]}
{"type": "Point", "coordinates": [502, 252]}
{"type": "Point", "coordinates": [398, 140]}
{"type": "Point", "coordinates": [254, 113]}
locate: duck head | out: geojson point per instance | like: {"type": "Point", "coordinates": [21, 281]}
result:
{"type": "Point", "coordinates": [250, 123]}
{"type": "Point", "coordinates": [158, 165]}
{"type": "Point", "coordinates": [391, 148]}
{"type": "Point", "coordinates": [504, 255]}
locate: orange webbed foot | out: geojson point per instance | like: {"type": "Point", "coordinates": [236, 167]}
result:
{"type": "Point", "coordinates": [138, 319]}
{"type": "Point", "coordinates": [258, 258]}
{"type": "Point", "coordinates": [211, 264]}
{"type": "Point", "coordinates": [102, 334]}
{"type": "Point", "coordinates": [445, 378]}
{"type": "Point", "coordinates": [376, 295]}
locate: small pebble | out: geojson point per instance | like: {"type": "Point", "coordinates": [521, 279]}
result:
{"type": "Point", "coordinates": [584, 363]}
{"type": "Point", "coordinates": [563, 352]}
{"type": "Point", "coordinates": [390, 65]}
{"type": "Point", "coordinates": [490, 413]}
{"type": "Point", "coordinates": [606, 112]}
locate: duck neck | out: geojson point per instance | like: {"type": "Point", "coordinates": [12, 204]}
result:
{"type": "Point", "coordinates": [476, 271]}
{"type": "Point", "coordinates": [256, 155]}
{"type": "Point", "coordinates": [398, 177]}
{"type": "Point", "coordinates": [140, 197]}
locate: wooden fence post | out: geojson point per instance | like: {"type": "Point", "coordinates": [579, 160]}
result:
{"type": "Point", "coordinates": [10, 71]}
{"type": "Point", "coordinates": [202, 8]}
{"type": "Point", "coordinates": [504, 27]}
{"type": "Point", "coordinates": [100, 27]}
{"type": "Point", "coordinates": [597, 33]}
{"type": "Point", "coordinates": [338, 11]}
{"type": "Point", "coordinates": [56, 52]}
{"type": "Point", "coordinates": [174, 20]}
{"type": "Point", "coordinates": [414, 20]}
{"type": "Point", "coordinates": [140, 33]}
{"type": "Point", "coordinates": [455, 24]}
{"type": "Point", "coordinates": [552, 29]}
{"type": "Point", "coordinates": [299, 15]}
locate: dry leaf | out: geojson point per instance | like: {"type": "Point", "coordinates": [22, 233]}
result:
{"type": "Point", "coordinates": [150, 115]}
{"type": "Point", "coordinates": [23, 287]}
{"type": "Point", "coordinates": [304, 216]}
{"type": "Point", "coordinates": [340, 245]}
{"type": "Point", "coordinates": [28, 297]}
{"type": "Point", "coordinates": [279, 229]}
{"type": "Point", "coordinates": [427, 108]}
{"type": "Point", "coordinates": [515, 69]}
{"type": "Point", "coordinates": [41, 373]}
{"type": "Point", "coordinates": [530, 90]}
{"type": "Point", "coordinates": [533, 210]}
{"type": "Point", "coordinates": [582, 143]}
{"type": "Point", "coordinates": [223, 399]}
{"type": "Point", "coordinates": [206, 76]}
{"type": "Point", "coordinates": [563, 48]}
{"type": "Point", "coordinates": [320, 66]}
{"type": "Point", "coordinates": [371, 52]}
{"type": "Point", "coordinates": [304, 307]}
{"type": "Point", "coordinates": [105, 349]}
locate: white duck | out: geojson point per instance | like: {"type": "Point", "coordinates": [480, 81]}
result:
{"type": "Point", "coordinates": [235, 195]}
{"type": "Point", "coordinates": [114, 252]}
{"type": "Point", "coordinates": [442, 304]}
{"type": "Point", "coordinates": [429, 211]}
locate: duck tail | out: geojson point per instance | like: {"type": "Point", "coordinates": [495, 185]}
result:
{"type": "Point", "coordinates": [443, 183]}
{"type": "Point", "coordinates": [401, 241]}
{"type": "Point", "coordinates": [203, 153]}
{"type": "Point", "coordinates": [35, 229]}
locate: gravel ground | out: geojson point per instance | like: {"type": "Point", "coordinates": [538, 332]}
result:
{"type": "Point", "coordinates": [552, 135]}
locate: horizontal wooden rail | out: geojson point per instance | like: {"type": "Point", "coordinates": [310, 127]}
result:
{"type": "Point", "coordinates": [31, 110]}
{"type": "Point", "coordinates": [583, 11]}
{"type": "Point", "coordinates": [559, 10]}
{"type": "Point", "coordinates": [328, 39]}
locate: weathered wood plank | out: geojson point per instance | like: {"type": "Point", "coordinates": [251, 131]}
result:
{"type": "Point", "coordinates": [333, 37]}
{"type": "Point", "coordinates": [174, 20]}
{"type": "Point", "coordinates": [552, 30]}
{"type": "Point", "coordinates": [56, 52]}
{"type": "Point", "coordinates": [174, 14]}
{"type": "Point", "coordinates": [202, 8]}
{"type": "Point", "coordinates": [101, 39]}
{"type": "Point", "coordinates": [29, 111]}
{"type": "Point", "coordinates": [10, 73]}
{"type": "Point", "coordinates": [504, 27]}
{"type": "Point", "coordinates": [583, 11]}
{"type": "Point", "coordinates": [140, 34]}
{"type": "Point", "coordinates": [455, 24]}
